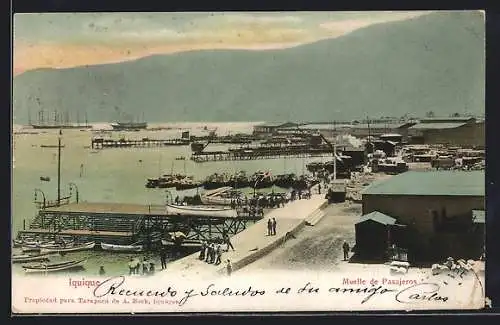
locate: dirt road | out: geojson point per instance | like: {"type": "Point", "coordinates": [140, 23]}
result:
{"type": "Point", "coordinates": [316, 247]}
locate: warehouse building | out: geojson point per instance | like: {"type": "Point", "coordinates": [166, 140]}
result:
{"type": "Point", "coordinates": [436, 210]}
{"type": "Point", "coordinates": [459, 131]}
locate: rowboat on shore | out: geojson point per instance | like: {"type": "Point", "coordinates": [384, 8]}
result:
{"type": "Point", "coordinates": [23, 258]}
{"type": "Point", "coordinates": [122, 248]}
{"type": "Point", "coordinates": [30, 249]}
{"type": "Point", "coordinates": [73, 248]}
{"type": "Point", "coordinates": [54, 267]}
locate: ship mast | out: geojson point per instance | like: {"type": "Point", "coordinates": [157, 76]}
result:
{"type": "Point", "coordinates": [59, 168]}
{"type": "Point", "coordinates": [334, 161]}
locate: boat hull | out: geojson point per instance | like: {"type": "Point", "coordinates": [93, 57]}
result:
{"type": "Point", "coordinates": [84, 247]}
{"type": "Point", "coordinates": [122, 248]}
{"type": "Point", "coordinates": [201, 211]}
{"type": "Point", "coordinates": [38, 126]}
{"type": "Point", "coordinates": [129, 126]}
{"type": "Point", "coordinates": [65, 266]}
{"type": "Point", "coordinates": [29, 258]}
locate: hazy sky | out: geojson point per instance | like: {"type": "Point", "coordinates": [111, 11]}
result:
{"type": "Point", "coordinates": [60, 40]}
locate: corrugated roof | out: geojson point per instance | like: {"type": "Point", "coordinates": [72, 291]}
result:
{"type": "Point", "coordinates": [378, 126]}
{"type": "Point", "coordinates": [377, 217]}
{"type": "Point", "coordinates": [478, 216]}
{"type": "Point", "coordinates": [437, 125]}
{"type": "Point", "coordinates": [429, 183]}
{"type": "Point", "coordinates": [447, 119]}
{"type": "Point", "coordinates": [318, 126]}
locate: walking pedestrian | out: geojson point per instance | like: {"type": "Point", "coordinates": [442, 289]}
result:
{"type": "Point", "coordinates": [218, 252]}
{"type": "Point", "coordinates": [273, 227]}
{"type": "Point", "coordinates": [228, 242]}
{"type": "Point", "coordinates": [163, 258]}
{"type": "Point", "coordinates": [229, 268]}
{"type": "Point", "coordinates": [346, 248]}
{"type": "Point", "coordinates": [269, 227]}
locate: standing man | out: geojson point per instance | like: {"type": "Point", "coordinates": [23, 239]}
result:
{"type": "Point", "coordinates": [163, 258]}
{"type": "Point", "coordinates": [269, 227]}
{"type": "Point", "coordinates": [202, 251]}
{"type": "Point", "coordinates": [218, 253]}
{"type": "Point", "coordinates": [346, 247]}
{"type": "Point", "coordinates": [229, 268]}
{"type": "Point", "coordinates": [228, 242]}
{"type": "Point", "coordinates": [131, 266]}
{"type": "Point", "coordinates": [273, 226]}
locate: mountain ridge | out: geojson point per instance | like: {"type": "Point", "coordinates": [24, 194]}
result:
{"type": "Point", "coordinates": [432, 62]}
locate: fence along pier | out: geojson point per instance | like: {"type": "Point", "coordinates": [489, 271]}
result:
{"type": "Point", "coordinates": [124, 223]}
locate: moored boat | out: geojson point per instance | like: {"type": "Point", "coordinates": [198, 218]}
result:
{"type": "Point", "coordinates": [30, 249]}
{"type": "Point", "coordinates": [122, 248]}
{"type": "Point", "coordinates": [54, 267]}
{"type": "Point", "coordinates": [201, 211]}
{"type": "Point", "coordinates": [187, 185]}
{"type": "Point", "coordinates": [23, 258]}
{"type": "Point", "coordinates": [261, 180]}
{"type": "Point", "coordinates": [72, 248]}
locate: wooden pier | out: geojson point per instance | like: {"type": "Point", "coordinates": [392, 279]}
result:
{"type": "Point", "coordinates": [122, 223]}
{"type": "Point", "coordinates": [262, 152]}
{"type": "Point", "coordinates": [101, 143]}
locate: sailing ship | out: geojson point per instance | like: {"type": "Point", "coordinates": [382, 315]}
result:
{"type": "Point", "coordinates": [59, 121]}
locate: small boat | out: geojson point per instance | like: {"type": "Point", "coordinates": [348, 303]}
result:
{"type": "Point", "coordinates": [23, 258]}
{"type": "Point", "coordinates": [122, 248]}
{"type": "Point", "coordinates": [39, 245]}
{"type": "Point", "coordinates": [72, 248]}
{"type": "Point", "coordinates": [45, 178]}
{"type": "Point", "coordinates": [20, 242]}
{"type": "Point", "coordinates": [44, 267]}
{"type": "Point", "coordinates": [51, 146]}
{"type": "Point", "coordinates": [180, 158]}
{"type": "Point", "coordinates": [201, 211]}
{"type": "Point", "coordinates": [187, 184]}
{"type": "Point", "coordinates": [30, 249]}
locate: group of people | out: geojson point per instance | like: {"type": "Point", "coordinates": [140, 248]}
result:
{"type": "Point", "coordinates": [271, 226]}
{"type": "Point", "coordinates": [211, 251]}
{"type": "Point", "coordinates": [300, 194]}
{"type": "Point", "coordinates": [136, 266]}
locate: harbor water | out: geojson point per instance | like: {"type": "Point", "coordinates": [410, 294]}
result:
{"type": "Point", "coordinates": [116, 175]}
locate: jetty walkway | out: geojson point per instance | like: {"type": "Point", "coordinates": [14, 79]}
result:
{"type": "Point", "coordinates": [253, 242]}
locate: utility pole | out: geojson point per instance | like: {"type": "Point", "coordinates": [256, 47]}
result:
{"type": "Point", "coordinates": [59, 169]}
